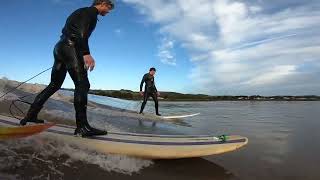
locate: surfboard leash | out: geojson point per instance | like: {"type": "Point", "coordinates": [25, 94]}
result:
{"type": "Point", "coordinates": [20, 99]}
{"type": "Point", "coordinates": [15, 88]}
{"type": "Point", "coordinates": [13, 104]}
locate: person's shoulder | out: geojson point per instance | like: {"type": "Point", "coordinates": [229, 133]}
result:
{"type": "Point", "coordinates": [86, 10]}
{"type": "Point", "coordinates": [92, 10]}
{"type": "Point", "coordinates": [81, 9]}
{"type": "Point", "coordinates": [78, 11]}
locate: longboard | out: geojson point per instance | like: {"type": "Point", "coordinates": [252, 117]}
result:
{"type": "Point", "coordinates": [148, 146]}
{"type": "Point", "coordinates": [170, 117]}
{"type": "Point", "coordinates": [180, 116]}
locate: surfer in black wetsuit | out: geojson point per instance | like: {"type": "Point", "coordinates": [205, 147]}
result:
{"type": "Point", "coordinates": [149, 90]}
{"type": "Point", "coordinates": [72, 55]}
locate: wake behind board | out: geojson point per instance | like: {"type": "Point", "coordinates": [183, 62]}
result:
{"type": "Point", "coordinates": [7, 132]}
{"type": "Point", "coordinates": [147, 146]}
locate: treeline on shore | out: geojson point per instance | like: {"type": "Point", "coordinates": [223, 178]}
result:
{"type": "Point", "coordinates": [173, 96]}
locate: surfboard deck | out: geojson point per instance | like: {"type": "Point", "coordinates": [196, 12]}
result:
{"type": "Point", "coordinates": [148, 146]}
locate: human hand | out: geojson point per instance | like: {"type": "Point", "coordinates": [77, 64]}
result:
{"type": "Point", "coordinates": [89, 62]}
{"type": "Point", "coordinates": [141, 93]}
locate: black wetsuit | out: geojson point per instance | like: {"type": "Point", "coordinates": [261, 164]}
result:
{"type": "Point", "coordinates": [68, 57]}
{"type": "Point", "coordinates": [149, 90]}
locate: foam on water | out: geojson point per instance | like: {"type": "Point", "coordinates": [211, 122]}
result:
{"type": "Point", "coordinates": [46, 149]}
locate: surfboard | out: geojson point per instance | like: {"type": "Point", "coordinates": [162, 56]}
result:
{"type": "Point", "coordinates": [180, 116]}
{"type": "Point", "coordinates": [7, 132]}
{"type": "Point", "coordinates": [148, 146]}
{"type": "Point", "coordinates": [169, 117]}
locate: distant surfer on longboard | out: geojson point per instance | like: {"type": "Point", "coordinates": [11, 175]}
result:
{"type": "Point", "coordinates": [72, 55]}
{"type": "Point", "coordinates": [149, 90]}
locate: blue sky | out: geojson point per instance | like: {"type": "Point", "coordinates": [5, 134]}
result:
{"type": "Point", "coordinates": [205, 46]}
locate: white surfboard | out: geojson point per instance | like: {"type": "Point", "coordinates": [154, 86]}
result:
{"type": "Point", "coordinates": [147, 146]}
{"type": "Point", "coordinates": [180, 116]}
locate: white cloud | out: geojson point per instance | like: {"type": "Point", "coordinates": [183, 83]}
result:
{"type": "Point", "coordinates": [165, 52]}
{"type": "Point", "coordinates": [240, 45]}
{"type": "Point", "coordinates": [272, 76]}
{"type": "Point", "coordinates": [255, 9]}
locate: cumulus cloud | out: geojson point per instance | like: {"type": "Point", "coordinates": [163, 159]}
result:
{"type": "Point", "coordinates": [246, 46]}
{"type": "Point", "coordinates": [165, 52]}
{"type": "Point", "coordinates": [272, 75]}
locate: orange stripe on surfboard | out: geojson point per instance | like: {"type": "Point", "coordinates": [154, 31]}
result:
{"type": "Point", "coordinates": [23, 131]}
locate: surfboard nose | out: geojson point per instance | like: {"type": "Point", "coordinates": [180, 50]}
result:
{"type": "Point", "coordinates": [23, 131]}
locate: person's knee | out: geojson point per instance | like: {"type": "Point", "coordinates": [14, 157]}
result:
{"type": "Point", "coordinates": [155, 100]}
{"type": "Point", "coordinates": [83, 86]}
{"type": "Point", "coordinates": [55, 86]}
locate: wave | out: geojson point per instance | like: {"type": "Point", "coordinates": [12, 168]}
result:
{"type": "Point", "coordinates": [50, 154]}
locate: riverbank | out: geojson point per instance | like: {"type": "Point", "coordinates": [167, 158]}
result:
{"type": "Point", "coordinates": [174, 96]}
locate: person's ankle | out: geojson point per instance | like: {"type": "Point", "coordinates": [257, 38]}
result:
{"type": "Point", "coordinates": [25, 120]}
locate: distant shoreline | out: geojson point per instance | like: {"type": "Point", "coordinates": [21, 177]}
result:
{"type": "Point", "coordinates": [173, 96]}
{"type": "Point", "coordinates": [169, 96]}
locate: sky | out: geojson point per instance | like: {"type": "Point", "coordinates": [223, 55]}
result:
{"type": "Point", "coordinates": [216, 47]}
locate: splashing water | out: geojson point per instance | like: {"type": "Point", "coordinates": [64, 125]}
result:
{"type": "Point", "coordinates": [55, 155]}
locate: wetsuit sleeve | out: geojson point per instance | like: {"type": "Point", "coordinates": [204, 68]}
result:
{"type": "Point", "coordinates": [85, 45]}
{"type": "Point", "coordinates": [142, 82]}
